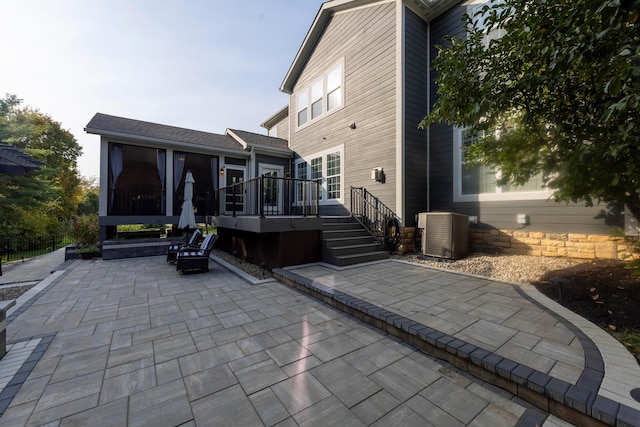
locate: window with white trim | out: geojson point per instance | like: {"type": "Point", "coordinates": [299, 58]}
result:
{"type": "Point", "coordinates": [479, 182]}
{"type": "Point", "coordinates": [328, 167]}
{"type": "Point", "coordinates": [323, 97]}
{"type": "Point", "coordinates": [316, 100]}
{"type": "Point", "coordinates": [334, 88]}
{"type": "Point", "coordinates": [303, 108]}
{"type": "Point", "coordinates": [333, 175]}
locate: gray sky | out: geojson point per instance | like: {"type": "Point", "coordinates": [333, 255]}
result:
{"type": "Point", "coordinates": [205, 65]}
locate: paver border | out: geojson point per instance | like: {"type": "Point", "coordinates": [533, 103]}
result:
{"type": "Point", "coordinates": [13, 387]}
{"type": "Point", "coordinates": [578, 403]}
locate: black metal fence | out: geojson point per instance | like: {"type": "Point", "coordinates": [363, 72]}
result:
{"type": "Point", "coordinates": [19, 248]}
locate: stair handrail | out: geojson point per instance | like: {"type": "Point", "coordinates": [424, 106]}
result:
{"type": "Point", "coordinates": [381, 222]}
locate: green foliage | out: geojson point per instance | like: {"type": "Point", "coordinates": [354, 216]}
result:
{"type": "Point", "coordinates": [87, 249]}
{"type": "Point", "coordinates": [39, 202]}
{"type": "Point", "coordinates": [85, 230]}
{"type": "Point", "coordinates": [26, 206]}
{"type": "Point", "coordinates": [90, 199]}
{"type": "Point", "coordinates": [567, 75]}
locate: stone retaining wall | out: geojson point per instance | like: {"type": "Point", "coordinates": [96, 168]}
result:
{"type": "Point", "coordinates": [569, 245]}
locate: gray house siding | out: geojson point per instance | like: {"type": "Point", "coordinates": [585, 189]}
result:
{"type": "Point", "coordinates": [543, 215]}
{"type": "Point", "coordinates": [441, 136]}
{"type": "Point", "coordinates": [416, 88]}
{"type": "Point", "coordinates": [271, 160]}
{"type": "Point", "coordinates": [282, 128]}
{"type": "Point", "coordinates": [365, 39]}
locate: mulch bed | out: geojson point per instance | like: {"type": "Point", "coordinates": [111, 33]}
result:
{"type": "Point", "coordinates": [604, 292]}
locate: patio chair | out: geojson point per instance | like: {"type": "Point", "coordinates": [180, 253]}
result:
{"type": "Point", "coordinates": [196, 259]}
{"type": "Point", "coordinates": [174, 247]}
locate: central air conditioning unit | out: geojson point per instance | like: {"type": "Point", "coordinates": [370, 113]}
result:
{"type": "Point", "coordinates": [444, 234]}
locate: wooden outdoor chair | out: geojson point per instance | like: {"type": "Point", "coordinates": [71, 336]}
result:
{"type": "Point", "coordinates": [196, 259]}
{"type": "Point", "coordinates": [174, 247]}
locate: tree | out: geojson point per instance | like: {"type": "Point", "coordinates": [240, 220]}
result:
{"type": "Point", "coordinates": [90, 199]}
{"type": "Point", "coordinates": [38, 134]}
{"type": "Point", "coordinates": [557, 94]}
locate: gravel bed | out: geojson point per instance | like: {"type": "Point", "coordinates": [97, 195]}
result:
{"type": "Point", "coordinates": [511, 268]}
{"type": "Point", "coordinates": [252, 269]}
{"type": "Point", "coordinates": [13, 292]}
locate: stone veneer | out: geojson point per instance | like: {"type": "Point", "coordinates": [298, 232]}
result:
{"type": "Point", "coordinates": [569, 245]}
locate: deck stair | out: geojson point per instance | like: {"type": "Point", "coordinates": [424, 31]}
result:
{"type": "Point", "coordinates": [346, 242]}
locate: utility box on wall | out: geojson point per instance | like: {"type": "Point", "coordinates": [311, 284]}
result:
{"type": "Point", "coordinates": [444, 234]}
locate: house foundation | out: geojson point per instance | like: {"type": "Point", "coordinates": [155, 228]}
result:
{"type": "Point", "coordinates": [569, 245]}
{"type": "Point", "coordinates": [535, 243]}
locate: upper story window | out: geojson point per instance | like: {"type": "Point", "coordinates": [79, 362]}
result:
{"type": "Point", "coordinates": [303, 108]}
{"type": "Point", "coordinates": [491, 32]}
{"type": "Point", "coordinates": [322, 97]}
{"type": "Point", "coordinates": [316, 100]}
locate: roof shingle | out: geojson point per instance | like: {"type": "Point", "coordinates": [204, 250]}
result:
{"type": "Point", "coordinates": [104, 124]}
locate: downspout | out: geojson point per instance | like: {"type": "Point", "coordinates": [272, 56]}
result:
{"type": "Point", "coordinates": [429, 83]}
{"type": "Point", "coordinates": [400, 147]}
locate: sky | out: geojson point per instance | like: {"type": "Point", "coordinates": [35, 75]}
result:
{"type": "Point", "coordinates": [207, 65]}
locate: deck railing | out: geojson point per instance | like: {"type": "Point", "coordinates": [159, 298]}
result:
{"type": "Point", "coordinates": [376, 217]}
{"type": "Point", "coordinates": [271, 196]}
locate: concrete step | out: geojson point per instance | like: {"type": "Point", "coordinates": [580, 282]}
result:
{"type": "Point", "coordinates": [344, 260]}
{"type": "Point", "coordinates": [347, 241]}
{"type": "Point", "coordinates": [333, 226]}
{"type": "Point", "coordinates": [350, 249]}
{"type": "Point", "coordinates": [338, 234]}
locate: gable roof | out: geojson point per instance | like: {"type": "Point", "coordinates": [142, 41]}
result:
{"type": "Point", "coordinates": [276, 118]}
{"type": "Point", "coordinates": [15, 162]}
{"type": "Point", "coordinates": [427, 9]}
{"type": "Point", "coordinates": [104, 124]}
{"type": "Point", "coordinates": [257, 140]}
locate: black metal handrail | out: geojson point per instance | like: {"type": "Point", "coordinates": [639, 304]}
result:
{"type": "Point", "coordinates": [271, 196]}
{"type": "Point", "coordinates": [376, 217]}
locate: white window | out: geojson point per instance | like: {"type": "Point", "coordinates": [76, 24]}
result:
{"type": "Point", "coordinates": [316, 100]}
{"type": "Point", "coordinates": [322, 97]}
{"type": "Point", "coordinates": [492, 33]}
{"type": "Point", "coordinates": [478, 183]}
{"type": "Point", "coordinates": [303, 108]}
{"type": "Point", "coordinates": [334, 88]}
{"type": "Point", "coordinates": [333, 175]}
{"type": "Point", "coordinates": [328, 167]}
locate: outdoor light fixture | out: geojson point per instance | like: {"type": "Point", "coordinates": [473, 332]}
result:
{"type": "Point", "coordinates": [222, 171]}
{"type": "Point", "coordinates": [352, 125]}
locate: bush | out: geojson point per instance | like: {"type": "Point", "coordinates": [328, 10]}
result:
{"type": "Point", "coordinates": [85, 230]}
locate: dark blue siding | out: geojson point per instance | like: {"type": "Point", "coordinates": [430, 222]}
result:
{"type": "Point", "coordinates": [416, 87]}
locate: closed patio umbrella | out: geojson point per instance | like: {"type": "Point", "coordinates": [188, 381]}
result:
{"type": "Point", "coordinates": [187, 216]}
